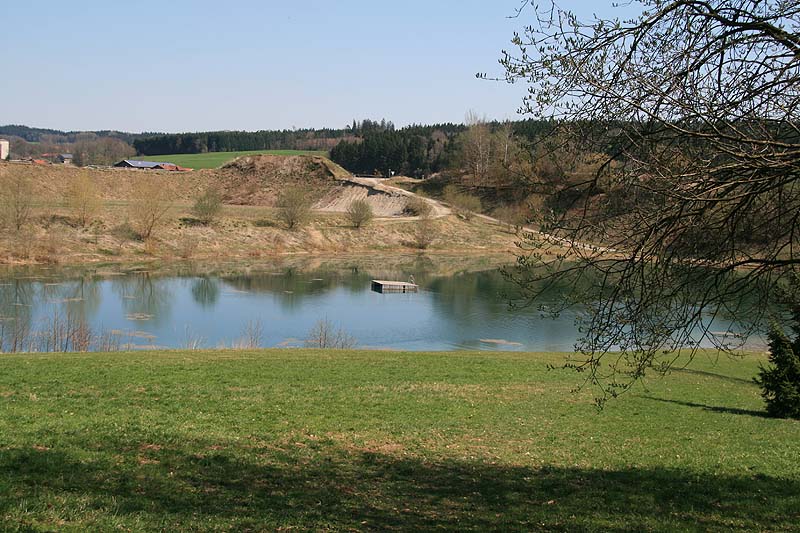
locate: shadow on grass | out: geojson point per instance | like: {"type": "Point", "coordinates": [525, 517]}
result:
{"type": "Point", "coordinates": [714, 375]}
{"type": "Point", "coordinates": [712, 408]}
{"type": "Point", "coordinates": [321, 485]}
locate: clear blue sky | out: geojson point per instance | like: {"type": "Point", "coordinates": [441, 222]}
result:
{"type": "Point", "coordinates": [181, 65]}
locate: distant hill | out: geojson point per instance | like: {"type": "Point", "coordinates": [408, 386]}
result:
{"type": "Point", "coordinates": [59, 137]}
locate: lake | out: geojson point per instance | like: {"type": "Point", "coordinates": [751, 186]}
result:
{"type": "Point", "coordinates": [463, 304]}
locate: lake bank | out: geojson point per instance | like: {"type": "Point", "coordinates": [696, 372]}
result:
{"type": "Point", "coordinates": [248, 226]}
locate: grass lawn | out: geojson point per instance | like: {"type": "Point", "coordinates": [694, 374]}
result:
{"type": "Point", "coordinates": [360, 440]}
{"type": "Point", "coordinates": [217, 159]}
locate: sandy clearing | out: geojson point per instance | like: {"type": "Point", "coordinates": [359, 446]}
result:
{"type": "Point", "coordinates": [385, 200]}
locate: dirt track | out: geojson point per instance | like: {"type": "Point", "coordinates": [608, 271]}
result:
{"type": "Point", "coordinates": [385, 200]}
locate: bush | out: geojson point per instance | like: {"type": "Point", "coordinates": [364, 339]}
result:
{"type": "Point", "coordinates": [207, 206]}
{"type": "Point", "coordinates": [148, 207]}
{"type": "Point", "coordinates": [325, 335]}
{"type": "Point", "coordinates": [464, 205]}
{"type": "Point", "coordinates": [16, 201]}
{"type": "Point", "coordinates": [516, 216]}
{"type": "Point", "coordinates": [359, 213]}
{"type": "Point", "coordinates": [780, 381]}
{"type": "Point", "coordinates": [418, 207]}
{"type": "Point", "coordinates": [294, 207]}
{"type": "Point", "coordinates": [423, 234]}
{"type": "Point", "coordinates": [83, 200]}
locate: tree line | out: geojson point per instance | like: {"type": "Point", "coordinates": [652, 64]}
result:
{"type": "Point", "coordinates": [51, 136]}
{"type": "Point", "coordinates": [235, 141]}
{"type": "Point", "coordinates": [419, 150]}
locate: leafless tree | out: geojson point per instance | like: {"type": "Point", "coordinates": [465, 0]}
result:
{"type": "Point", "coordinates": [693, 212]}
{"type": "Point", "coordinates": [476, 148]}
{"type": "Point", "coordinates": [16, 199]}
{"type": "Point", "coordinates": [83, 199]}
{"type": "Point", "coordinates": [148, 206]}
{"type": "Point", "coordinates": [294, 207]}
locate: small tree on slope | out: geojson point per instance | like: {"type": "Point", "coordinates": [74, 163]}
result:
{"type": "Point", "coordinates": [780, 381]}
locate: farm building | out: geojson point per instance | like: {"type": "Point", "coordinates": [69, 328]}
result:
{"type": "Point", "coordinates": [65, 158]}
{"type": "Point", "coordinates": [149, 165]}
{"type": "Point", "coordinates": [4, 149]}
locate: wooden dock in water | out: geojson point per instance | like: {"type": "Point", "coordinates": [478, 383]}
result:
{"type": "Point", "coordinates": [393, 286]}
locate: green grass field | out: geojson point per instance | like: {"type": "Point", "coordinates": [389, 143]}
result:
{"type": "Point", "coordinates": [217, 159]}
{"type": "Point", "coordinates": [360, 440]}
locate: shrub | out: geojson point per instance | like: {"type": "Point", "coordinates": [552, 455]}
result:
{"type": "Point", "coordinates": [325, 335]}
{"type": "Point", "coordinates": [359, 213]}
{"type": "Point", "coordinates": [251, 337]}
{"type": "Point", "coordinates": [187, 246]}
{"type": "Point", "coordinates": [423, 234]}
{"type": "Point", "coordinates": [464, 205]}
{"type": "Point", "coordinates": [207, 206]}
{"type": "Point", "coordinates": [83, 200]}
{"type": "Point", "coordinates": [515, 216]}
{"type": "Point", "coordinates": [124, 231]}
{"type": "Point", "coordinates": [418, 207]}
{"type": "Point", "coordinates": [780, 381]}
{"type": "Point", "coordinates": [148, 206]}
{"type": "Point", "coordinates": [16, 200]}
{"type": "Point", "coordinates": [294, 207]}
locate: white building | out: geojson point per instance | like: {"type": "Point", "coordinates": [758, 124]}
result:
{"type": "Point", "coordinates": [4, 149]}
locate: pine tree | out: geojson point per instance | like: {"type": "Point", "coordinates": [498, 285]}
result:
{"type": "Point", "coordinates": [780, 381]}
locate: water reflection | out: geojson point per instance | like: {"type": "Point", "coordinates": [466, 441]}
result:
{"type": "Point", "coordinates": [461, 304]}
{"type": "Point", "coordinates": [205, 292]}
{"type": "Point", "coordinates": [145, 296]}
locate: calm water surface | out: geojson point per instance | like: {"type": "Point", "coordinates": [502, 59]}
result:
{"type": "Point", "coordinates": [461, 305]}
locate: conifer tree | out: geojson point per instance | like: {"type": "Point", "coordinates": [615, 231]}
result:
{"type": "Point", "coordinates": [780, 381]}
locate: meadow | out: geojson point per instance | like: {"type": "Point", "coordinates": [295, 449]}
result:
{"type": "Point", "coordinates": [366, 440]}
{"type": "Point", "coordinates": [217, 159]}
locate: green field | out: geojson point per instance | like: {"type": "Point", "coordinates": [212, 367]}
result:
{"type": "Point", "coordinates": [217, 159]}
{"type": "Point", "coordinates": [360, 440]}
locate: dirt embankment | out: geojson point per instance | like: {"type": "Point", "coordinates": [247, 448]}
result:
{"type": "Point", "coordinates": [248, 226]}
{"type": "Point", "coordinates": [247, 181]}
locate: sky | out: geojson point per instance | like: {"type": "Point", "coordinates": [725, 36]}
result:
{"type": "Point", "coordinates": [197, 65]}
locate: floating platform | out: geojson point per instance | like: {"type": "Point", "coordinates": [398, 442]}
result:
{"type": "Point", "coordinates": [393, 286]}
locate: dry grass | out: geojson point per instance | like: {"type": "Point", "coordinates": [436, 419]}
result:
{"type": "Point", "coordinates": [55, 231]}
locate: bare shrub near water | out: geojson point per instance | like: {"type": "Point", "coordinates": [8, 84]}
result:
{"type": "Point", "coordinates": [325, 334]}
{"type": "Point", "coordinates": [15, 335]}
{"type": "Point", "coordinates": [251, 337]}
{"type": "Point", "coordinates": [108, 341]}
{"type": "Point", "coordinates": [422, 234]}
{"type": "Point", "coordinates": [207, 206]}
{"type": "Point", "coordinates": [64, 333]}
{"type": "Point", "coordinates": [359, 213]}
{"type": "Point", "coordinates": [294, 207]}
{"type": "Point", "coordinates": [83, 200]}
{"type": "Point", "coordinates": [16, 200]}
{"type": "Point", "coordinates": [148, 207]}
{"type": "Point", "coordinates": [192, 340]}
{"type": "Point", "coordinates": [187, 246]}
{"type": "Point", "coordinates": [60, 332]}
